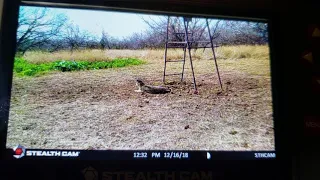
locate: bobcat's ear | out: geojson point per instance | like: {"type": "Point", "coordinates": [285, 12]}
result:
{"type": "Point", "coordinates": [135, 78]}
{"type": "Point", "coordinates": [139, 80]}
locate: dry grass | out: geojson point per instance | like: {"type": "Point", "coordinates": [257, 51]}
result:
{"type": "Point", "coordinates": [99, 109]}
{"type": "Point", "coordinates": [224, 52]}
{"type": "Point", "coordinates": [250, 59]}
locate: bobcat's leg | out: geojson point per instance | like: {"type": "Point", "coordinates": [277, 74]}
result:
{"type": "Point", "coordinates": [139, 90]}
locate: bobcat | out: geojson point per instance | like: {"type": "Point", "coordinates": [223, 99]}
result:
{"type": "Point", "coordinates": [150, 89]}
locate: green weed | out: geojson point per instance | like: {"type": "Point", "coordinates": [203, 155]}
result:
{"type": "Point", "coordinates": [24, 68]}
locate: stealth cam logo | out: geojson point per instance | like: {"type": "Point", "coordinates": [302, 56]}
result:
{"type": "Point", "coordinates": [19, 151]}
{"type": "Point", "coordinates": [90, 173]}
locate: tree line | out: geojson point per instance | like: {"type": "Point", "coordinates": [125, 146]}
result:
{"type": "Point", "coordinates": [42, 29]}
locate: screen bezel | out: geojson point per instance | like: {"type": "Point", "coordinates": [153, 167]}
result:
{"type": "Point", "coordinates": [7, 62]}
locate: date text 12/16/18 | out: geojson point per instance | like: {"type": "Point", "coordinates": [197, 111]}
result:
{"type": "Point", "coordinates": [160, 155]}
{"type": "Point", "coordinates": [176, 155]}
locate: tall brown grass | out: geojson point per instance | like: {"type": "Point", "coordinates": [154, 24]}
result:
{"type": "Point", "coordinates": [244, 58]}
{"type": "Point", "coordinates": [224, 52]}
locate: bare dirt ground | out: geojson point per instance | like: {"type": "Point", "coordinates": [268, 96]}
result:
{"type": "Point", "coordinates": [99, 109]}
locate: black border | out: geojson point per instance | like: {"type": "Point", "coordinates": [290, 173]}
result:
{"type": "Point", "coordinates": [236, 10]}
{"type": "Point", "coordinates": [8, 32]}
{"type": "Point", "coordinates": [118, 10]}
{"type": "Point", "coordinates": [282, 105]}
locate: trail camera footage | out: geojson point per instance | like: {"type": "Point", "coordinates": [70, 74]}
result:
{"type": "Point", "coordinates": [100, 80]}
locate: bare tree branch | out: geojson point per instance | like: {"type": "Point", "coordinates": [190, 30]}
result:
{"type": "Point", "coordinates": [36, 26]}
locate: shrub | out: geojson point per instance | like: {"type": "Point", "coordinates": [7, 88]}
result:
{"type": "Point", "coordinates": [68, 65]}
{"type": "Point", "coordinates": [24, 68]}
{"type": "Point", "coordinates": [244, 54]}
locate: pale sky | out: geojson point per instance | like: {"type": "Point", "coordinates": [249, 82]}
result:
{"type": "Point", "coordinates": [116, 24]}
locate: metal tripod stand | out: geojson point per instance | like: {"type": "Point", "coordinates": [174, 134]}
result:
{"type": "Point", "coordinates": [186, 43]}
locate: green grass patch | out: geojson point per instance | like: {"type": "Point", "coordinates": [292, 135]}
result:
{"type": "Point", "coordinates": [24, 68]}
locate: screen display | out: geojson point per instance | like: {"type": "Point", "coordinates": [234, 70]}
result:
{"type": "Point", "coordinates": [95, 84]}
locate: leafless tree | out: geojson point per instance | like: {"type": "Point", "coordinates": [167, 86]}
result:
{"type": "Point", "coordinates": [91, 41]}
{"type": "Point", "coordinates": [196, 27]}
{"type": "Point", "coordinates": [242, 32]}
{"type": "Point", "coordinates": [37, 26]}
{"type": "Point", "coordinates": [105, 40]}
{"type": "Point", "coordinates": [75, 38]}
